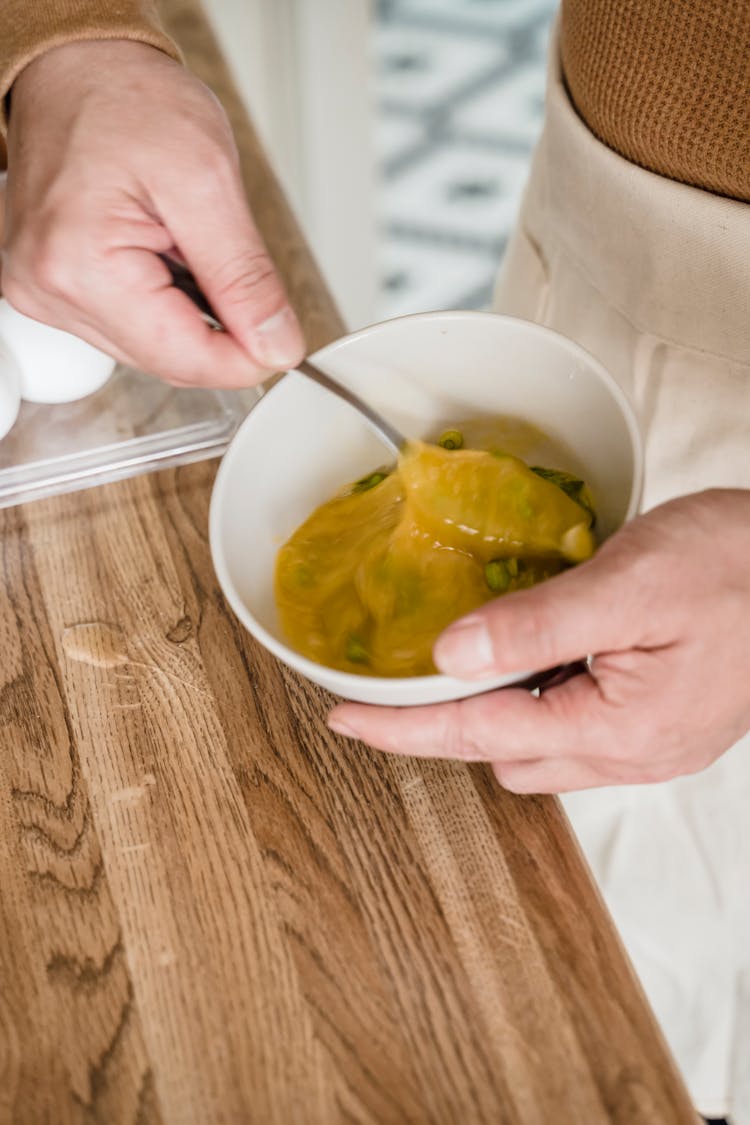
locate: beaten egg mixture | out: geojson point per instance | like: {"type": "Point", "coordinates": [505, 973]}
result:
{"type": "Point", "coordinates": [374, 575]}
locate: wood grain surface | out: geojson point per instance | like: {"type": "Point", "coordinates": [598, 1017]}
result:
{"type": "Point", "coordinates": [211, 910]}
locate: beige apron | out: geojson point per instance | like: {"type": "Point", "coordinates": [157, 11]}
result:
{"type": "Point", "coordinates": [653, 277]}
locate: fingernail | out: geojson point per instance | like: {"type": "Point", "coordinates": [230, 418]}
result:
{"type": "Point", "coordinates": [342, 728]}
{"type": "Point", "coordinates": [278, 341]}
{"type": "Point", "coordinates": [465, 650]}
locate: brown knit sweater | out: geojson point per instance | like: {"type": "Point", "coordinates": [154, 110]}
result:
{"type": "Point", "coordinates": [30, 27]}
{"type": "Point", "coordinates": [666, 83]}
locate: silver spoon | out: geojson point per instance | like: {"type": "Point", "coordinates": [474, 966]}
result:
{"type": "Point", "coordinates": [183, 280]}
{"type": "Point", "coordinates": [387, 433]}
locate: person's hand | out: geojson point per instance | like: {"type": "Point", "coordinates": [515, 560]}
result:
{"type": "Point", "coordinates": [664, 607]}
{"type": "Point", "coordinates": [116, 154]}
{"type": "Point", "coordinates": [3, 179]}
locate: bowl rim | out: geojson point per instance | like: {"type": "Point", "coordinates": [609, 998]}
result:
{"type": "Point", "coordinates": [414, 684]}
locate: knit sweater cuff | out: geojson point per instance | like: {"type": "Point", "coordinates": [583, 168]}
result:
{"type": "Point", "coordinates": [30, 29]}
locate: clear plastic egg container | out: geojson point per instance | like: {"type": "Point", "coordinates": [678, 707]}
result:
{"type": "Point", "coordinates": [131, 425]}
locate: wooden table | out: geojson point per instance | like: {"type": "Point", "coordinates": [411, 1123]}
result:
{"type": "Point", "coordinates": [211, 910]}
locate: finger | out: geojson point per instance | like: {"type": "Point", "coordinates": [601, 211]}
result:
{"type": "Point", "coordinates": [586, 610]}
{"type": "Point", "coordinates": [158, 329]}
{"type": "Point", "coordinates": [61, 316]}
{"type": "Point", "coordinates": [230, 261]}
{"type": "Point", "coordinates": [548, 775]}
{"type": "Point", "coordinates": [121, 300]}
{"type": "Point", "coordinates": [35, 302]}
{"type": "Point", "coordinates": [508, 725]}
{"type": "Point", "coordinates": [136, 307]}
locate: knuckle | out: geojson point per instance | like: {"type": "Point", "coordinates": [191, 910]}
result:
{"type": "Point", "coordinates": [503, 771]}
{"type": "Point", "coordinates": [514, 777]}
{"type": "Point", "coordinates": [459, 739]}
{"type": "Point", "coordinates": [181, 375]}
{"type": "Point", "coordinates": [243, 278]}
{"type": "Point", "coordinates": [19, 295]}
{"type": "Point", "coordinates": [643, 578]}
{"type": "Point", "coordinates": [653, 773]}
{"type": "Point", "coordinates": [207, 120]}
{"type": "Point", "coordinates": [216, 166]}
{"type": "Point", "coordinates": [220, 148]}
{"type": "Point", "coordinates": [533, 630]}
{"type": "Point", "coordinates": [630, 764]}
{"type": "Point", "coordinates": [50, 268]}
{"type": "Point", "coordinates": [598, 712]}
{"type": "Point", "coordinates": [211, 161]}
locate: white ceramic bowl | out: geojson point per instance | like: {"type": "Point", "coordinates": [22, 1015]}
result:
{"type": "Point", "coordinates": [300, 444]}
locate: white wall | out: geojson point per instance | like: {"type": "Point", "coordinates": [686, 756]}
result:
{"type": "Point", "coordinates": [304, 68]}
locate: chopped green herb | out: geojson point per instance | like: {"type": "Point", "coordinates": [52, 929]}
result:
{"type": "Point", "coordinates": [512, 565]}
{"type": "Point", "coordinates": [303, 575]}
{"type": "Point", "coordinates": [368, 482]}
{"type": "Point", "coordinates": [356, 652]}
{"type": "Point", "coordinates": [451, 439]}
{"type": "Point", "coordinates": [571, 485]}
{"type": "Point", "coordinates": [497, 575]}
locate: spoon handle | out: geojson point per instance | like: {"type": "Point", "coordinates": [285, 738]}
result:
{"type": "Point", "coordinates": [183, 280]}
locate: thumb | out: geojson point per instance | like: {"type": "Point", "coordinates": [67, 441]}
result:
{"type": "Point", "coordinates": [584, 611]}
{"type": "Point", "coordinates": [229, 259]}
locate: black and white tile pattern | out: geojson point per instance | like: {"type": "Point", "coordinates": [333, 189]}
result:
{"type": "Point", "coordinates": [460, 86]}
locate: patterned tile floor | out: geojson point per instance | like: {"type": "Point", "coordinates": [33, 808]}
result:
{"type": "Point", "coordinates": [460, 86]}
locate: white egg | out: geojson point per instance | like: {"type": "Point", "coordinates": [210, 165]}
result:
{"type": "Point", "coordinates": [54, 366]}
{"type": "Point", "coordinates": [10, 390]}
